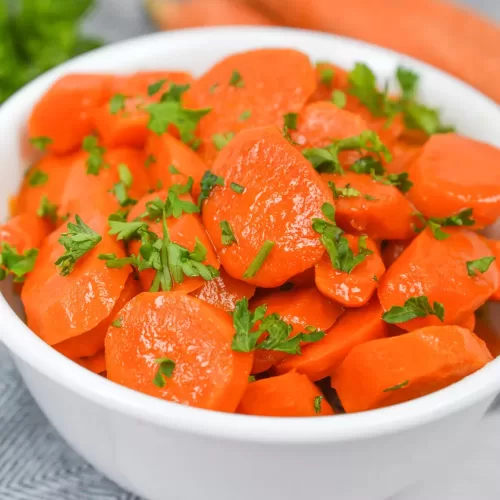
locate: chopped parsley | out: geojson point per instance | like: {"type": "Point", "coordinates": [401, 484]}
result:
{"type": "Point", "coordinates": [479, 265]}
{"type": "Point", "coordinates": [37, 177]}
{"type": "Point", "coordinates": [227, 237]}
{"type": "Point", "coordinates": [120, 189]}
{"type": "Point", "coordinates": [117, 323]}
{"type": "Point", "coordinates": [435, 224]}
{"type": "Point", "coordinates": [236, 188]}
{"type": "Point", "coordinates": [220, 141]}
{"type": "Point", "coordinates": [47, 210]}
{"type": "Point", "coordinates": [41, 142]}
{"type": "Point", "coordinates": [95, 160]}
{"type": "Point", "coordinates": [78, 241]}
{"type": "Point", "coordinates": [415, 307]}
{"type": "Point", "coordinates": [150, 160]}
{"type": "Point", "coordinates": [165, 369]}
{"type": "Point", "coordinates": [317, 404]}
{"type": "Point", "coordinates": [236, 80]}
{"type": "Point", "coordinates": [173, 170]}
{"type": "Point", "coordinates": [290, 120]}
{"type": "Point", "coordinates": [16, 264]}
{"type": "Point", "coordinates": [259, 259]}
{"type": "Point", "coordinates": [397, 387]}
{"type": "Point", "coordinates": [250, 326]}
{"type": "Point", "coordinates": [245, 115]}
{"type": "Point", "coordinates": [208, 182]}
{"type": "Point", "coordinates": [154, 88]}
{"type": "Point", "coordinates": [339, 98]}
{"type": "Point", "coordinates": [326, 76]}
{"type": "Point", "coordinates": [345, 192]}
{"type": "Point", "coordinates": [117, 104]}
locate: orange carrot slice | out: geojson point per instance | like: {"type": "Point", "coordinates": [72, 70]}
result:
{"type": "Point", "coordinates": [250, 89]}
{"type": "Point", "coordinates": [69, 101]}
{"type": "Point", "coordinates": [137, 84]}
{"type": "Point", "coordinates": [95, 363]}
{"type": "Point", "coordinates": [437, 269]}
{"type": "Point", "coordinates": [60, 307]}
{"type": "Point", "coordinates": [301, 308]}
{"type": "Point", "coordinates": [194, 335]}
{"type": "Point", "coordinates": [353, 328]}
{"type": "Point", "coordinates": [453, 173]}
{"type": "Point", "coordinates": [271, 218]}
{"type": "Point", "coordinates": [90, 343]}
{"type": "Point", "coordinates": [397, 369]}
{"type": "Point", "coordinates": [224, 291]}
{"type": "Point", "coordinates": [352, 289]}
{"type": "Point", "coordinates": [494, 246]}
{"type": "Point", "coordinates": [328, 78]}
{"type": "Point", "coordinates": [379, 210]}
{"type": "Point", "coordinates": [24, 232]}
{"type": "Point", "coordinates": [289, 395]}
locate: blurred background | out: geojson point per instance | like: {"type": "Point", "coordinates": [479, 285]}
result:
{"type": "Point", "coordinates": [461, 37]}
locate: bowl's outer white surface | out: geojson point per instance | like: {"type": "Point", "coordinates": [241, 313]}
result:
{"type": "Point", "coordinates": [162, 450]}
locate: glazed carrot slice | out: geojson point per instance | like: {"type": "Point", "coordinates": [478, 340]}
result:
{"type": "Point", "coordinates": [353, 328]}
{"type": "Point", "coordinates": [172, 162]}
{"type": "Point", "coordinates": [95, 363]}
{"type": "Point", "coordinates": [469, 322]}
{"type": "Point", "coordinates": [319, 123]}
{"type": "Point", "coordinates": [127, 127]}
{"type": "Point", "coordinates": [60, 307]}
{"type": "Point", "coordinates": [224, 291]}
{"type": "Point", "coordinates": [137, 84]}
{"type": "Point", "coordinates": [494, 246]}
{"type": "Point", "coordinates": [328, 78]}
{"type": "Point", "coordinates": [301, 308]}
{"type": "Point", "coordinates": [271, 218]}
{"type": "Point", "coordinates": [397, 369]}
{"type": "Point", "coordinates": [391, 250]}
{"type": "Point", "coordinates": [192, 334]}
{"type": "Point", "coordinates": [403, 155]}
{"type": "Point", "coordinates": [184, 231]}
{"type": "Point", "coordinates": [80, 186]}
{"type": "Point", "coordinates": [305, 279]}
{"type": "Point", "coordinates": [352, 289]}
{"type": "Point", "coordinates": [381, 211]}
{"type": "Point", "coordinates": [69, 101]}
{"type": "Point", "coordinates": [290, 395]}
{"type": "Point", "coordinates": [90, 343]}
{"type": "Point", "coordinates": [453, 173]}
{"type": "Point", "coordinates": [45, 179]}
{"type": "Point", "coordinates": [437, 269]}
{"type": "Point", "coordinates": [250, 89]}
{"type": "Point", "coordinates": [24, 232]}
{"type": "Point", "coordinates": [179, 15]}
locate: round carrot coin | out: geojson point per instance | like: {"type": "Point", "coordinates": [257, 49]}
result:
{"type": "Point", "coordinates": [196, 339]}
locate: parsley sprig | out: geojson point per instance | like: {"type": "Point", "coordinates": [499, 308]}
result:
{"type": "Point", "coordinates": [16, 264]}
{"type": "Point", "coordinates": [165, 369]}
{"type": "Point", "coordinates": [336, 244]}
{"type": "Point", "coordinates": [95, 160]}
{"type": "Point", "coordinates": [474, 267]}
{"type": "Point", "coordinates": [414, 307]}
{"type": "Point", "coordinates": [78, 241]}
{"type": "Point", "coordinates": [246, 338]}
{"type": "Point", "coordinates": [120, 189]}
{"type": "Point", "coordinates": [435, 224]}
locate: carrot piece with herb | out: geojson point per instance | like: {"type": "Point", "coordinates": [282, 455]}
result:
{"type": "Point", "coordinates": [24, 232]}
{"type": "Point", "coordinates": [177, 347]}
{"type": "Point", "coordinates": [70, 100]}
{"type": "Point", "coordinates": [354, 278]}
{"type": "Point", "coordinates": [224, 291]}
{"type": "Point", "coordinates": [112, 179]}
{"type": "Point", "coordinates": [262, 162]}
{"type": "Point", "coordinates": [433, 281]}
{"type": "Point", "coordinates": [186, 231]}
{"type": "Point", "coordinates": [353, 328]}
{"type": "Point", "coordinates": [250, 89]}
{"type": "Point", "coordinates": [370, 206]}
{"type": "Point", "coordinates": [453, 173]}
{"type": "Point", "coordinates": [329, 77]}
{"type": "Point", "coordinates": [302, 308]}
{"type": "Point", "coordinates": [397, 369]}
{"type": "Point", "coordinates": [404, 154]}
{"type": "Point", "coordinates": [45, 179]}
{"type": "Point", "coordinates": [173, 162]}
{"type": "Point", "coordinates": [95, 363]}
{"type": "Point", "coordinates": [139, 84]}
{"type": "Point", "coordinates": [289, 395]}
{"type": "Point", "coordinates": [65, 300]}
{"type": "Point", "coordinates": [90, 343]}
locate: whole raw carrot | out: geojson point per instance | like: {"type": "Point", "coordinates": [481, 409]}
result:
{"type": "Point", "coordinates": [397, 369]}
{"type": "Point", "coordinates": [301, 308]}
{"type": "Point", "coordinates": [176, 347]}
{"type": "Point", "coordinates": [353, 328]}
{"type": "Point", "coordinates": [269, 216]}
{"type": "Point", "coordinates": [289, 395]}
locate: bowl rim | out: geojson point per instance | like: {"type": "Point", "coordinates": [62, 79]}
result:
{"type": "Point", "coordinates": [30, 349]}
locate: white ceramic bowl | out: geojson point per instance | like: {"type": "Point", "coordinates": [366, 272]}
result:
{"type": "Point", "coordinates": [163, 450]}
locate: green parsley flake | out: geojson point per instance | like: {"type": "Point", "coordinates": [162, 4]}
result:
{"type": "Point", "coordinates": [37, 177]}
{"type": "Point", "coordinates": [339, 99]}
{"type": "Point", "coordinates": [463, 218]}
{"type": "Point", "coordinates": [120, 189]}
{"type": "Point", "coordinates": [117, 104]}
{"type": "Point", "coordinates": [247, 334]}
{"type": "Point", "coordinates": [78, 241]}
{"type": "Point", "coordinates": [259, 259]}
{"type": "Point", "coordinates": [173, 170]}
{"type": "Point", "coordinates": [236, 80]}
{"type": "Point", "coordinates": [150, 160]}
{"type": "Point", "coordinates": [154, 88]}
{"type": "Point", "coordinates": [345, 192]}
{"type": "Point", "coordinates": [47, 210]}
{"type": "Point", "coordinates": [15, 264]}
{"type": "Point", "coordinates": [227, 234]}
{"type": "Point", "coordinates": [245, 115]}
{"type": "Point", "coordinates": [117, 323]}
{"type": "Point", "coordinates": [236, 188]}
{"type": "Point", "coordinates": [479, 265]}
{"type": "Point", "coordinates": [165, 369]}
{"type": "Point", "coordinates": [397, 387]}
{"type": "Point", "coordinates": [208, 182]}
{"type": "Point", "coordinates": [220, 141]}
{"type": "Point", "coordinates": [326, 76]}
{"type": "Point", "coordinates": [41, 142]}
{"type": "Point", "coordinates": [95, 160]}
{"type": "Point", "coordinates": [317, 404]}
{"type": "Point", "coordinates": [290, 120]}
{"type": "Point", "coordinates": [213, 88]}
{"type": "Point", "coordinates": [415, 307]}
